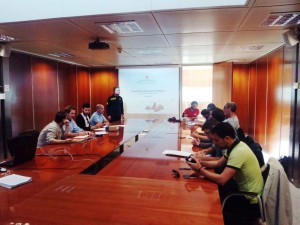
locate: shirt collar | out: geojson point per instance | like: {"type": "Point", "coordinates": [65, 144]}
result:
{"type": "Point", "coordinates": [235, 143]}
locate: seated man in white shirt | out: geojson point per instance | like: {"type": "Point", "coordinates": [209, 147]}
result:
{"type": "Point", "coordinates": [53, 132]}
{"type": "Point", "coordinates": [98, 120]}
{"type": "Point", "coordinates": [74, 130]}
{"type": "Point", "coordinates": [231, 117]}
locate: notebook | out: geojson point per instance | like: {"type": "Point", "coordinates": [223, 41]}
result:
{"type": "Point", "coordinates": [22, 149]}
{"type": "Point", "coordinates": [14, 180]}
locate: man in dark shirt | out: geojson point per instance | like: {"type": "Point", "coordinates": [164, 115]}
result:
{"type": "Point", "coordinates": [83, 119]}
{"type": "Point", "coordinates": [114, 109]}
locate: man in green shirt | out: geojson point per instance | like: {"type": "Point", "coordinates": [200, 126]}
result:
{"type": "Point", "coordinates": [242, 166]}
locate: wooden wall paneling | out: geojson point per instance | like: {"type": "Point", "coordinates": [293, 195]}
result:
{"type": "Point", "coordinates": [21, 93]}
{"type": "Point", "coordinates": [252, 98]}
{"type": "Point", "coordinates": [83, 86]}
{"type": "Point", "coordinates": [286, 101]}
{"type": "Point", "coordinates": [274, 102]}
{"type": "Point", "coordinates": [102, 83]}
{"type": "Point", "coordinates": [67, 87]}
{"type": "Point", "coordinates": [261, 101]}
{"type": "Point", "coordinates": [45, 91]}
{"type": "Point", "coordinates": [240, 93]}
{"type": "Point", "coordinates": [222, 83]}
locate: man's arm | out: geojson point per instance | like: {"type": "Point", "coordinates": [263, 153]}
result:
{"type": "Point", "coordinates": [51, 137]}
{"type": "Point", "coordinates": [57, 141]}
{"type": "Point", "coordinates": [200, 136]}
{"type": "Point", "coordinates": [108, 104]}
{"type": "Point", "coordinates": [212, 164]}
{"type": "Point", "coordinates": [122, 108]}
{"type": "Point", "coordinates": [76, 131]}
{"type": "Point", "coordinates": [220, 179]}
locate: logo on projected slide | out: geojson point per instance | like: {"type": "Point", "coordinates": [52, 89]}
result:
{"type": "Point", "coordinates": [155, 107]}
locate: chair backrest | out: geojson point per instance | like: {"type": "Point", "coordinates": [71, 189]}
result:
{"type": "Point", "coordinates": [256, 149]}
{"type": "Point", "coordinates": [240, 133]}
{"type": "Point", "coordinates": [33, 133]}
{"type": "Point", "coordinates": [22, 148]}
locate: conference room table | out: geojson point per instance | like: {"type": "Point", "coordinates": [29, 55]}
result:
{"type": "Point", "coordinates": [136, 186]}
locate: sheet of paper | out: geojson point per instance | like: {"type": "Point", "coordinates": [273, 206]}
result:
{"type": "Point", "coordinates": [100, 129]}
{"type": "Point", "coordinates": [81, 137]}
{"type": "Point", "coordinates": [177, 153]}
{"type": "Point", "coordinates": [100, 132]}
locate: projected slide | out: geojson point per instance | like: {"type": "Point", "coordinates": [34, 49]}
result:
{"type": "Point", "coordinates": [152, 92]}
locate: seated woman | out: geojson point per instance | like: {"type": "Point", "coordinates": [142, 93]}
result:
{"type": "Point", "coordinates": [192, 112]}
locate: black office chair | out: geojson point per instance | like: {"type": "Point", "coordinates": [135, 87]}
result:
{"type": "Point", "coordinates": [256, 149]}
{"type": "Point", "coordinates": [265, 172]}
{"type": "Point", "coordinates": [240, 133]}
{"type": "Point", "coordinates": [34, 133]}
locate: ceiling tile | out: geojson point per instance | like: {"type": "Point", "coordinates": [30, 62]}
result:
{"type": "Point", "coordinates": [208, 20]}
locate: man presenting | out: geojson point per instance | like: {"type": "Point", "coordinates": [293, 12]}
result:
{"type": "Point", "coordinates": [115, 111]}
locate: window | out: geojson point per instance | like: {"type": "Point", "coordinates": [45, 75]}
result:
{"type": "Point", "coordinates": [196, 86]}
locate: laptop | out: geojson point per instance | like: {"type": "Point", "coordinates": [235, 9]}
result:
{"type": "Point", "coordinates": [22, 148]}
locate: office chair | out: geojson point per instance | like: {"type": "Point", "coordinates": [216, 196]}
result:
{"type": "Point", "coordinates": [240, 133]}
{"type": "Point", "coordinates": [265, 172]}
{"type": "Point", "coordinates": [256, 149]}
{"type": "Point", "coordinates": [34, 133]}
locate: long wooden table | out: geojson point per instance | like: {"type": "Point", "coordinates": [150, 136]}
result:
{"type": "Point", "coordinates": [137, 187]}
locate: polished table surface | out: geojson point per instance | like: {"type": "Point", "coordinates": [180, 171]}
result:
{"type": "Point", "coordinates": [137, 187]}
{"type": "Point", "coordinates": [82, 199]}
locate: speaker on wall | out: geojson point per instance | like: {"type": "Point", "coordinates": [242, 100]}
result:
{"type": "Point", "coordinates": [291, 37]}
{"type": "Point", "coordinates": [5, 50]}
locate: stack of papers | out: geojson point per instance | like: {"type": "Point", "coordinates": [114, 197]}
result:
{"type": "Point", "coordinates": [177, 153]}
{"type": "Point", "coordinates": [81, 137]}
{"type": "Point", "coordinates": [14, 180]}
{"type": "Point", "coordinates": [100, 132]}
{"type": "Point", "coordinates": [100, 129]}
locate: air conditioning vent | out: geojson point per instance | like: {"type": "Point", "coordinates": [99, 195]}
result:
{"type": "Point", "coordinates": [282, 19]}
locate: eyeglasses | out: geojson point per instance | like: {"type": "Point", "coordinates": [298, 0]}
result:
{"type": "Point", "coordinates": [175, 173]}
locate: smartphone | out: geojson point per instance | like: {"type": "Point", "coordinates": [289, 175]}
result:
{"type": "Point", "coordinates": [189, 176]}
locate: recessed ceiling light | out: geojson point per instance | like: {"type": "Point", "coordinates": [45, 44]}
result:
{"type": "Point", "coordinates": [122, 27]}
{"type": "Point", "coordinates": [61, 55]}
{"type": "Point", "coordinates": [6, 38]}
{"type": "Point", "coordinates": [282, 19]}
{"type": "Point", "coordinates": [149, 51]}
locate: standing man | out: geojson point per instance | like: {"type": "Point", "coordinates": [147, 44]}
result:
{"type": "Point", "coordinates": [53, 132]}
{"type": "Point", "coordinates": [98, 120]}
{"type": "Point", "coordinates": [83, 119]}
{"type": "Point", "coordinates": [115, 110]}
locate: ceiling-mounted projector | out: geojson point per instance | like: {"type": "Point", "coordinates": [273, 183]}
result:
{"type": "Point", "coordinates": [98, 45]}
